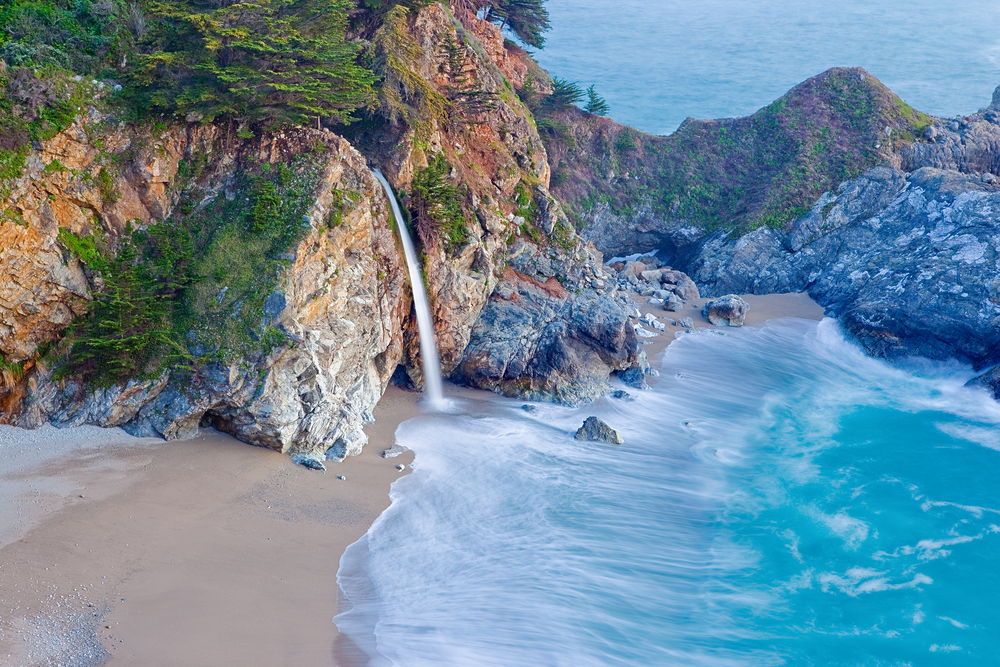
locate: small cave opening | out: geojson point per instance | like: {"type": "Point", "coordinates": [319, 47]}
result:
{"type": "Point", "coordinates": [212, 419]}
{"type": "Point", "coordinates": [401, 379]}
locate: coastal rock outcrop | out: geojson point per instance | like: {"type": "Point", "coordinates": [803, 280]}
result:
{"type": "Point", "coordinates": [340, 301]}
{"type": "Point", "coordinates": [728, 310]}
{"type": "Point", "coordinates": [545, 333]}
{"type": "Point", "coordinates": [915, 277]}
{"type": "Point", "coordinates": [594, 429]}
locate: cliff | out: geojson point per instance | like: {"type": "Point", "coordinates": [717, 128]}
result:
{"type": "Point", "coordinates": [633, 192]}
{"type": "Point", "coordinates": [166, 276]}
{"type": "Point", "coordinates": [894, 232]}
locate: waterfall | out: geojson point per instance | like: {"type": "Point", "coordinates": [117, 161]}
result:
{"type": "Point", "coordinates": [425, 326]}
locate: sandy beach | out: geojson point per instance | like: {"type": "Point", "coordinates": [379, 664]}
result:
{"type": "Point", "coordinates": [200, 552]}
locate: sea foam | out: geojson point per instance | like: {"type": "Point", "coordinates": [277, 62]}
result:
{"type": "Point", "coordinates": [781, 499]}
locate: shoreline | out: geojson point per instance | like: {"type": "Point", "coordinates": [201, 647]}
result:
{"type": "Point", "coordinates": [204, 551]}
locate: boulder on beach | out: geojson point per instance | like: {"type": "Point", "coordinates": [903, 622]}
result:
{"type": "Point", "coordinates": [597, 430]}
{"type": "Point", "coordinates": [729, 309]}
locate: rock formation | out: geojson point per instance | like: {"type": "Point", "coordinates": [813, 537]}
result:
{"type": "Point", "coordinates": [341, 300]}
{"type": "Point", "coordinates": [317, 350]}
{"type": "Point", "coordinates": [729, 310]}
{"type": "Point", "coordinates": [594, 429]}
{"type": "Point", "coordinates": [905, 254]}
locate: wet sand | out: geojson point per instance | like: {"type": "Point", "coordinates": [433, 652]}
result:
{"type": "Point", "coordinates": [205, 552]}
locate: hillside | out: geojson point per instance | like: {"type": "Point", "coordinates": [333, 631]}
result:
{"type": "Point", "coordinates": [739, 173]}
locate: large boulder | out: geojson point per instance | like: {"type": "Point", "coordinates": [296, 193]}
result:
{"type": "Point", "coordinates": [729, 310]}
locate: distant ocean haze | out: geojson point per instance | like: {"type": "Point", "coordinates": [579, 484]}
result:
{"type": "Point", "coordinates": [660, 61]}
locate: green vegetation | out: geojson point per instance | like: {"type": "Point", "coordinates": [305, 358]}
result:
{"type": "Point", "coordinates": [740, 174]}
{"type": "Point", "coordinates": [35, 104]}
{"type": "Point", "coordinates": [10, 372]}
{"type": "Point", "coordinates": [596, 104]}
{"type": "Point", "coordinates": [191, 289]}
{"type": "Point", "coordinates": [438, 201]}
{"type": "Point", "coordinates": [565, 94]}
{"type": "Point", "coordinates": [269, 61]}
{"type": "Point", "coordinates": [527, 19]}
{"type": "Point", "coordinates": [404, 95]}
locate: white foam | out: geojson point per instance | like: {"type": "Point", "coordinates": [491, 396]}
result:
{"type": "Point", "coordinates": [853, 531]}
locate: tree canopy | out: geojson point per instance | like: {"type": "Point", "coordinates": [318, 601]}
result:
{"type": "Point", "coordinates": [596, 104]}
{"type": "Point", "coordinates": [527, 19]}
{"type": "Point", "coordinates": [280, 60]}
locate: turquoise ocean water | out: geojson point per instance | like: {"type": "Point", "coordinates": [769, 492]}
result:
{"type": "Point", "coordinates": [780, 499]}
{"type": "Point", "coordinates": [659, 61]}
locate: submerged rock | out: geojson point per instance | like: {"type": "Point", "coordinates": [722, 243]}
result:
{"type": "Point", "coordinates": [990, 381]}
{"type": "Point", "coordinates": [596, 430]}
{"type": "Point", "coordinates": [729, 309]}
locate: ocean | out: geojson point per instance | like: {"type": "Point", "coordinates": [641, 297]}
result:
{"type": "Point", "coordinates": [660, 61]}
{"type": "Point", "coordinates": [780, 499]}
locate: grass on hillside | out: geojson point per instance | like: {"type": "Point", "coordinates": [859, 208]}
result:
{"type": "Point", "coordinates": [763, 170]}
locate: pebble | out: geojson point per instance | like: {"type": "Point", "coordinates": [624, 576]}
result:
{"type": "Point", "coordinates": [400, 467]}
{"type": "Point", "coordinates": [341, 478]}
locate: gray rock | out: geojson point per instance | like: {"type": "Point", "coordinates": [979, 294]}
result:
{"type": "Point", "coordinates": [310, 462]}
{"type": "Point", "coordinates": [594, 429]}
{"type": "Point", "coordinates": [729, 309]}
{"type": "Point", "coordinates": [400, 467]}
{"type": "Point", "coordinates": [529, 408]}
{"type": "Point", "coordinates": [990, 381]}
{"type": "Point", "coordinates": [673, 304]}
{"type": "Point", "coordinates": [621, 394]}
{"type": "Point", "coordinates": [393, 452]}
{"type": "Point", "coordinates": [545, 342]}
{"type": "Point", "coordinates": [686, 322]}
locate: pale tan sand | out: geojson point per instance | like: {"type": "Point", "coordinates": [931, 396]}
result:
{"type": "Point", "coordinates": [206, 552]}
{"type": "Point", "coordinates": [762, 308]}
{"type": "Point", "coordinates": [211, 553]}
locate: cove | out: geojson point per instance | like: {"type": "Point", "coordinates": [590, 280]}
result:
{"type": "Point", "coordinates": [781, 499]}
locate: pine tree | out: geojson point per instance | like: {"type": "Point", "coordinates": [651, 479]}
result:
{"type": "Point", "coordinates": [596, 104]}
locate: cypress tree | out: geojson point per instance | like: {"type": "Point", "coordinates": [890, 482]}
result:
{"type": "Point", "coordinates": [527, 19]}
{"type": "Point", "coordinates": [275, 60]}
{"type": "Point", "coordinates": [596, 104]}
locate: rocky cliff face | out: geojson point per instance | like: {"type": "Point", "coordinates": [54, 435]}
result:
{"type": "Point", "coordinates": [341, 297]}
{"type": "Point", "coordinates": [521, 305]}
{"type": "Point", "coordinates": [633, 192]}
{"type": "Point", "coordinates": [499, 162]}
{"type": "Point", "coordinates": [906, 255]}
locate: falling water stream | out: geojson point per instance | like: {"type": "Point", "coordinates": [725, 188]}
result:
{"type": "Point", "coordinates": [428, 347]}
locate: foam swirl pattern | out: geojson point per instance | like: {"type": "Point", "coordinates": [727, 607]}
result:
{"type": "Point", "coordinates": [781, 499]}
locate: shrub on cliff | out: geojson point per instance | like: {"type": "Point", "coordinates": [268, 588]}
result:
{"type": "Point", "coordinates": [270, 60]}
{"type": "Point", "coordinates": [194, 287]}
{"type": "Point", "coordinates": [439, 202]}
